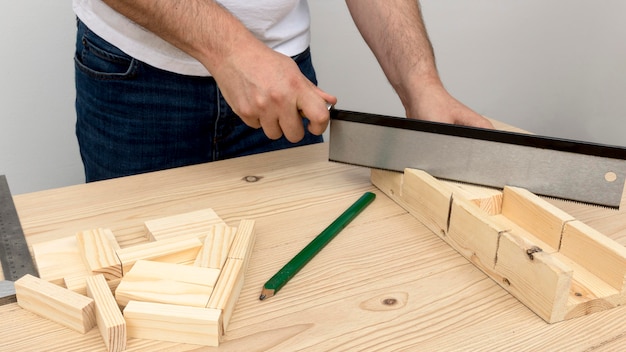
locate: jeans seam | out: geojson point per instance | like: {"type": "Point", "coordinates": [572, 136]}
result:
{"type": "Point", "coordinates": [216, 124]}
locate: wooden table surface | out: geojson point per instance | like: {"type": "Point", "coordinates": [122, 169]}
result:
{"type": "Point", "coordinates": [383, 284]}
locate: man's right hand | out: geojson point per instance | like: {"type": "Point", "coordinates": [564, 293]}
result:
{"type": "Point", "coordinates": [267, 90]}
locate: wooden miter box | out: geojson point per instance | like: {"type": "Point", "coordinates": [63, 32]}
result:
{"type": "Point", "coordinates": [180, 286]}
{"type": "Point", "coordinates": [557, 266]}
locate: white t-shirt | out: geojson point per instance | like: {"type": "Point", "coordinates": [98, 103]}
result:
{"type": "Point", "coordinates": [283, 25]}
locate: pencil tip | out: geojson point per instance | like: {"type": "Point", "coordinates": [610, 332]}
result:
{"type": "Point", "coordinates": [266, 293]}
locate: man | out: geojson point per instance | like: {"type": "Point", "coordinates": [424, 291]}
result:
{"type": "Point", "coordinates": [166, 83]}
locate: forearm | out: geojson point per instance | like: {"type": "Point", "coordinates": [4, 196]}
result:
{"type": "Point", "coordinates": [201, 28]}
{"type": "Point", "coordinates": [266, 89]}
{"type": "Point", "coordinates": [395, 32]}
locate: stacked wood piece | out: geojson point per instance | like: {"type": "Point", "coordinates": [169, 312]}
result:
{"type": "Point", "coordinates": [55, 303]}
{"type": "Point", "coordinates": [172, 302]}
{"type": "Point", "coordinates": [180, 286]}
{"type": "Point", "coordinates": [109, 319]}
{"type": "Point", "coordinates": [554, 264]}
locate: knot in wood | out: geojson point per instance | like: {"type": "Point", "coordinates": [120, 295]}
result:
{"type": "Point", "coordinates": [386, 302]}
{"type": "Point", "coordinates": [532, 250]}
{"type": "Point", "coordinates": [252, 178]}
{"type": "Point", "coordinates": [390, 301]}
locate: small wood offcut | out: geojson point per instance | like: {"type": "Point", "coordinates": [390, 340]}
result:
{"type": "Point", "coordinates": [179, 286]}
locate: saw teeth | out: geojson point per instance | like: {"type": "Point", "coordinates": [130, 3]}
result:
{"type": "Point", "coordinates": [594, 205]}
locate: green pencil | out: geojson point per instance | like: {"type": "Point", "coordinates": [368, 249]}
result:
{"type": "Point", "coordinates": [307, 253]}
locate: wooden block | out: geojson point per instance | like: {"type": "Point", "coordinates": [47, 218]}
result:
{"type": "Point", "coordinates": [487, 199]}
{"type": "Point", "coordinates": [226, 291]}
{"type": "Point", "coordinates": [231, 279]}
{"type": "Point", "coordinates": [167, 322]}
{"type": "Point", "coordinates": [78, 283]}
{"type": "Point", "coordinates": [474, 233]}
{"type": "Point", "coordinates": [597, 253]}
{"type": "Point", "coordinates": [55, 303]}
{"type": "Point", "coordinates": [58, 259]}
{"type": "Point", "coordinates": [167, 283]}
{"type": "Point", "coordinates": [389, 182]}
{"type": "Point", "coordinates": [588, 293]}
{"type": "Point", "coordinates": [535, 215]}
{"type": "Point", "coordinates": [170, 250]}
{"type": "Point", "coordinates": [216, 246]}
{"type": "Point", "coordinates": [109, 318]}
{"type": "Point", "coordinates": [97, 248]}
{"type": "Point", "coordinates": [244, 241]}
{"type": "Point", "coordinates": [538, 279]}
{"type": "Point", "coordinates": [195, 222]}
{"type": "Point", "coordinates": [420, 194]}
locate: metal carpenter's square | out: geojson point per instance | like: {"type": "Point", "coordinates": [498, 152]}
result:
{"type": "Point", "coordinates": [14, 254]}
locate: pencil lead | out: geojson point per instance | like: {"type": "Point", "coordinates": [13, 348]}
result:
{"type": "Point", "coordinates": [266, 293]}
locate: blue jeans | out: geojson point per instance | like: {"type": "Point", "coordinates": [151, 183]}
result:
{"type": "Point", "coordinates": [134, 118]}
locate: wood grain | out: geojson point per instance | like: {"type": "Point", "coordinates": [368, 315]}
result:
{"type": "Point", "coordinates": [215, 247]}
{"type": "Point", "coordinates": [520, 248]}
{"type": "Point", "coordinates": [386, 283]}
{"type": "Point", "coordinates": [55, 303]}
{"type": "Point", "coordinates": [109, 319]}
{"type": "Point", "coordinates": [175, 323]}
{"type": "Point", "coordinates": [97, 248]}
{"type": "Point", "coordinates": [170, 283]}
{"type": "Point", "coordinates": [537, 216]}
{"type": "Point", "coordinates": [59, 258]}
{"type": "Point", "coordinates": [169, 250]}
{"type": "Point", "coordinates": [197, 222]}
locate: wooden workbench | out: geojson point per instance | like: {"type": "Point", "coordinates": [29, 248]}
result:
{"type": "Point", "coordinates": [385, 283]}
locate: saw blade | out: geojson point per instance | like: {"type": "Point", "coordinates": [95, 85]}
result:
{"type": "Point", "coordinates": [15, 256]}
{"type": "Point", "coordinates": [572, 170]}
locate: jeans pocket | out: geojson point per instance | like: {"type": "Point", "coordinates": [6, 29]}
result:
{"type": "Point", "coordinates": [101, 60]}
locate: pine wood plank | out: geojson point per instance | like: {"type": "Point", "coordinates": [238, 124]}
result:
{"type": "Point", "coordinates": [175, 323]}
{"type": "Point", "coordinates": [109, 319]}
{"type": "Point", "coordinates": [55, 303]}
{"type": "Point", "coordinates": [78, 283]}
{"type": "Point", "coordinates": [170, 250]}
{"type": "Point", "coordinates": [474, 233]}
{"type": "Point", "coordinates": [215, 248]}
{"type": "Point", "coordinates": [588, 293]}
{"type": "Point", "coordinates": [57, 259]}
{"type": "Point", "coordinates": [419, 193]}
{"type": "Point", "coordinates": [540, 281]}
{"type": "Point", "coordinates": [195, 222]}
{"type": "Point", "coordinates": [231, 279]}
{"type": "Point", "coordinates": [167, 283]}
{"type": "Point", "coordinates": [534, 214]}
{"type": "Point", "coordinates": [227, 289]}
{"type": "Point", "coordinates": [531, 237]}
{"type": "Point", "coordinates": [487, 199]}
{"type": "Point", "coordinates": [244, 241]}
{"type": "Point", "coordinates": [97, 248]}
{"type": "Point", "coordinates": [586, 246]}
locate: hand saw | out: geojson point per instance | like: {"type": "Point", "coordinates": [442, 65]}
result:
{"type": "Point", "coordinates": [572, 170]}
{"type": "Point", "coordinates": [14, 254]}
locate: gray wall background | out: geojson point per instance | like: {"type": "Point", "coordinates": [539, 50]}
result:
{"type": "Point", "coordinates": [552, 67]}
